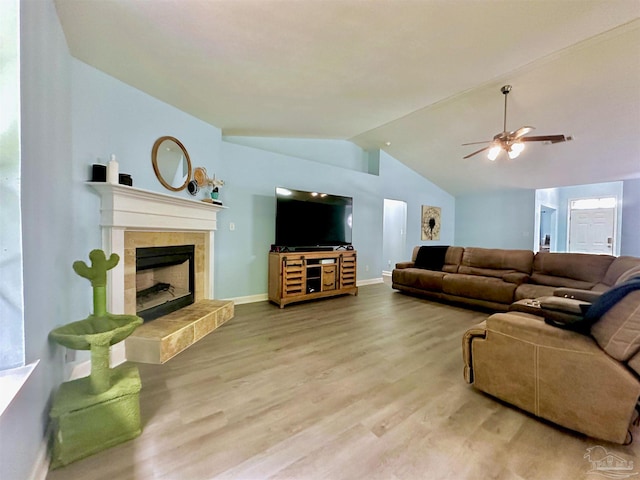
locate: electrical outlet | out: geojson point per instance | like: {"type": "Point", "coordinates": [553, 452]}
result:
{"type": "Point", "coordinates": [366, 268]}
{"type": "Point", "coordinates": [232, 226]}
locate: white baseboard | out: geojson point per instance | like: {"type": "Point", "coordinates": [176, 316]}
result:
{"type": "Point", "coordinates": [42, 461]}
{"type": "Point", "coordinates": [117, 355]}
{"type": "Point", "coordinates": [261, 297]}
{"type": "Point", "coordinates": [369, 281]}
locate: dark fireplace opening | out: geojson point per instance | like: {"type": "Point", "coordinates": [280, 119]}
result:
{"type": "Point", "coordinates": [164, 280]}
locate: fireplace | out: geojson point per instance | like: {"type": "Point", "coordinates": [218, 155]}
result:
{"type": "Point", "coordinates": [132, 219]}
{"type": "Point", "coordinates": [164, 280]}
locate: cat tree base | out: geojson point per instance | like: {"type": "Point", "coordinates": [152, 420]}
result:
{"type": "Point", "coordinates": [85, 423]}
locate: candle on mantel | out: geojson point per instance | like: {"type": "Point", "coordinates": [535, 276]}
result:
{"type": "Point", "coordinates": [112, 170]}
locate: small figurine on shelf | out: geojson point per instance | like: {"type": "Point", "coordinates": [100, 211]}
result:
{"type": "Point", "coordinates": [202, 179]}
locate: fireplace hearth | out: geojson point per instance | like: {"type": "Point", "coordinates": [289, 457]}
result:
{"type": "Point", "coordinates": [164, 280]}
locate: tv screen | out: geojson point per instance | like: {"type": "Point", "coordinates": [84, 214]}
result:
{"type": "Point", "coordinates": [312, 219]}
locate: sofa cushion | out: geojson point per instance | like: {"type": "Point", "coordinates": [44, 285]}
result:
{"type": "Point", "coordinates": [618, 331]}
{"type": "Point", "coordinates": [530, 290]}
{"type": "Point", "coordinates": [431, 258]}
{"type": "Point", "coordinates": [484, 288]}
{"type": "Point", "coordinates": [634, 363]}
{"type": "Point", "coordinates": [419, 278]}
{"type": "Point", "coordinates": [560, 281]}
{"type": "Point", "coordinates": [621, 269]}
{"type": "Point", "coordinates": [452, 259]}
{"type": "Point", "coordinates": [582, 267]}
{"type": "Point", "coordinates": [496, 259]}
{"type": "Point", "coordinates": [628, 275]}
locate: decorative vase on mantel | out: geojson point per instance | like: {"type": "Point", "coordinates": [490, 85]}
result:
{"type": "Point", "coordinates": [96, 412]}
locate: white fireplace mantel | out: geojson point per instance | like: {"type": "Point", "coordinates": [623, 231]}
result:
{"type": "Point", "coordinates": [127, 208]}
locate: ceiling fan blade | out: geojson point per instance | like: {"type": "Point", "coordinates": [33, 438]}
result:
{"type": "Point", "coordinates": [477, 151]}
{"type": "Point", "coordinates": [476, 143]}
{"type": "Point", "coordinates": [521, 132]}
{"type": "Point", "coordinates": [545, 138]}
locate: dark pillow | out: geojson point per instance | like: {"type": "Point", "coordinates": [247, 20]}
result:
{"type": "Point", "coordinates": [431, 258]}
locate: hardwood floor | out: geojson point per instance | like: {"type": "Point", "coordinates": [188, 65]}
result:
{"type": "Point", "coordinates": [347, 388]}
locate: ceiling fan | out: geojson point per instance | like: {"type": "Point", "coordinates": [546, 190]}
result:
{"type": "Point", "coordinates": [512, 142]}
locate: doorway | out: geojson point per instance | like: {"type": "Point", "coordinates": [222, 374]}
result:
{"type": "Point", "coordinates": [394, 236]}
{"type": "Point", "coordinates": [592, 225]}
{"type": "Point", "coordinates": [548, 229]}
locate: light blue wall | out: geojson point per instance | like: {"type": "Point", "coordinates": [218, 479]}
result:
{"type": "Point", "coordinates": [565, 194]}
{"type": "Point", "coordinates": [110, 117]}
{"type": "Point", "coordinates": [630, 244]}
{"type": "Point", "coordinates": [50, 230]}
{"type": "Point", "coordinates": [500, 219]}
{"type": "Point", "coordinates": [340, 153]}
{"type": "Point", "coordinates": [251, 176]}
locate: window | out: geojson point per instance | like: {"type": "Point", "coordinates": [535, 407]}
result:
{"type": "Point", "coordinates": [591, 203]}
{"type": "Point", "coordinates": [11, 303]}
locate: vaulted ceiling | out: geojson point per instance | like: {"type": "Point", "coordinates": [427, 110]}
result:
{"type": "Point", "coordinates": [416, 78]}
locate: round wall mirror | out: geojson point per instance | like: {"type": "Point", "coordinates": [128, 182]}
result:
{"type": "Point", "coordinates": [171, 163]}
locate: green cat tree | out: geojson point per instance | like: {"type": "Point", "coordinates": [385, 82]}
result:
{"type": "Point", "coordinates": [94, 413]}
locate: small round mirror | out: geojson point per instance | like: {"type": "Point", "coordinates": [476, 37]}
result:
{"type": "Point", "coordinates": [171, 163]}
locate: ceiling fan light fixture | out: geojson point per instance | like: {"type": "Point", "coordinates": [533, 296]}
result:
{"type": "Point", "coordinates": [515, 150]}
{"type": "Point", "coordinates": [494, 152]}
{"type": "Point", "coordinates": [512, 142]}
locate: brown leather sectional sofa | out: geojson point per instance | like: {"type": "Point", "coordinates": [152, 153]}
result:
{"type": "Point", "coordinates": [588, 381]}
{"type": "Point", "coordinates": [495, 278]}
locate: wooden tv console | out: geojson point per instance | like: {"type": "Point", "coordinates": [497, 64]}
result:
{"type": "Point", "coordinates": [300, 276]}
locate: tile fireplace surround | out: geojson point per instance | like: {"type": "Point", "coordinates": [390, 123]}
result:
{"type": "Point", "coordinates": [134, 218]}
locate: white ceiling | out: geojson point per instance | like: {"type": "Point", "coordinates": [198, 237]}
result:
{"type": "Point", "coordinates": [424, 75]}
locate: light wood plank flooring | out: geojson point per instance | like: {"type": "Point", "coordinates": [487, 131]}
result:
{"type": "Point", "coordinates": [347, 388]}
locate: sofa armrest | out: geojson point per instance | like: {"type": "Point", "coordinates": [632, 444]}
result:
{"type": "Point", "coordinates": [401, 265]}
{"type": "Point", "coordinates": [577, 294]}
{"type": "Point", "coordinates": [477, 331]}
{"type": "Point", "coordinates": [556, 374]}
{"type": "Point", "coordinates": [532, 329]}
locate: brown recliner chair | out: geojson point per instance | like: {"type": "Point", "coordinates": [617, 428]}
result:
{"type": "Point", "coordinates": [587, 383]}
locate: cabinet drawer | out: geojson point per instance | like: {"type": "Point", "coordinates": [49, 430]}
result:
{"type": "Point", "coordinates": [329, 277]}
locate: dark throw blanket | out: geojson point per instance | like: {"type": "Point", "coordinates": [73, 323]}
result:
{"type": "Point", "coordinates": [592, 313]}
{"type": "Point", "coordinates": [609, 298]}
{"type": "Point", "coordinates": [431, 258]}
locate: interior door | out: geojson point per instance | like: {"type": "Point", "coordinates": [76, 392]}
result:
{"type": "Point", "coordinates": [591, 230]}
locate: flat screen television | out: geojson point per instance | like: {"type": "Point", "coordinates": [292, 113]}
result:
{"type": "Point", "coordinates": [312, 219]}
